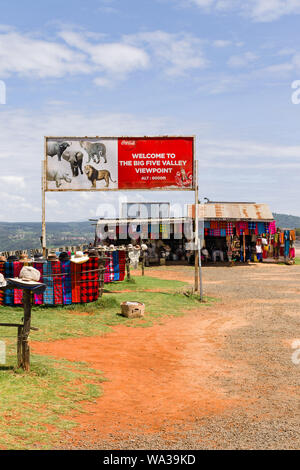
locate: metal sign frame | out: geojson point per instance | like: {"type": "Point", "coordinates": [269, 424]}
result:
{"type": "Point", "coordinates": [77, 138]}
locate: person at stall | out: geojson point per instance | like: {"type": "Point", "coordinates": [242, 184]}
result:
{"type": "Point", "coordinates": [259, 249]}
{"type": "Point", "coordinates": [216, 252]}
{"type": "Point", "coordinates": [205, 254]}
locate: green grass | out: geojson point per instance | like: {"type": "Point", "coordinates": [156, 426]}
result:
{"type": "Point", "coordinates": [33, 405]}
{"type": "Point", "coordinates": [97, 317]}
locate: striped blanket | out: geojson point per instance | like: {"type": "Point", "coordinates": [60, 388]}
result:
{"type": "Point", "coordinates": [76, 284]}
{"type": "Point", "coordinates": [89, 281]}
{"type": "Point", "coordinates": [38, 298]}
{"type": "Point", "coordinates": [18, 293]}
{"type": "Point", "coordinates": [48, 280]}
{"type": "Point", "coordinates": [57, 282]}
{"type": "Point", "coordinates": [1, 291]}
{"type": "Point", "coordinates": [66, 282]}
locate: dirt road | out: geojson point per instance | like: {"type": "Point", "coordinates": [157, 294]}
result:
{"type": "Point", "coordinates": [221, 377]}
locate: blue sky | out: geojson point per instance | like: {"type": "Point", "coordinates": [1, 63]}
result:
{"type": "Point", "coordinates": [219, 69]}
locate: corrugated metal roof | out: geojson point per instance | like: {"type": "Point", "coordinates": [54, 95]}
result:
{"type": "Point", "coordinates": [233, 211]}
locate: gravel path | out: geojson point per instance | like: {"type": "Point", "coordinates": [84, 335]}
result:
{"type": "Point", "coordinates": [239, 386]}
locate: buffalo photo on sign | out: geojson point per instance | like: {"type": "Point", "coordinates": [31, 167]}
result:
{"type": "Point", "coordinates": [111, 163]}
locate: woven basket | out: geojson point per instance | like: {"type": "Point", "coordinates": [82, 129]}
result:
{"type": "Point", "coordinates": [133, 311]}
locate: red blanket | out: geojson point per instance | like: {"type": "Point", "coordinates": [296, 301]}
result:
{"type": "Point", "coordinates": [57, 283]}
{"type": "Point", "coordinates": [89, 281]}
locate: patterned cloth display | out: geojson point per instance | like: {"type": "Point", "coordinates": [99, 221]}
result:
{"type": "Point", "coordinates": [76, 284]}
{"type": "Point", "coordinates": [38, 298]}
{"type": "Point", "coordinates": [8, 293]}
{"type": "Point", "coordinates": [222, 228]}
{"type": "Point", "coordinates": [122, 265]}
{"type": "Point", "coordinates": [66, 282]}
{"type": "Point", "coordinates": [18, 293]}
{"type": "Point", "coordinates": [57, 282]}
{"type": "Point", "coordinates": [89, 281]}
{"type": "Point", "coordinates": [48, 280]}
{"type": "Point", "coordinates": [1, 291]}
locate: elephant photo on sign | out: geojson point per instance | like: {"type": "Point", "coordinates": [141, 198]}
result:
{"type": "Point", "coordinates": [75, 159]}
{"type": "Point", "coordinates": [95, 150]}
{"type": "Point", "coordinates": [56, 148]}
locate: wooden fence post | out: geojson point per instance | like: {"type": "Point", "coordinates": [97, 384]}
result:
{"type": "Point", "coordinates": [26, 330]}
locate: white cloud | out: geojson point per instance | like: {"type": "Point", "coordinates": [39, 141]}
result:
{"type": "Point", "coordinates": [28, 56]}
{"type": "Point", "coordinates": [115, 59]}
{"type": "Point", "coordinates": [68, 54]}
{"type": "Point", "coordinates": [222, 43]}
{"type": "Point", "coordinates": [257, 10]}
{"type": "Point", "coordinates": [177, 53]}
{"type": "Point", "coordinates": [19, 181]}
{"type": "Point", "coordinates": [243, 60]}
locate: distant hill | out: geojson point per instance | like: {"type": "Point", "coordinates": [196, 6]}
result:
{"type": "Point", "coordinates": [286, 221]}
{"type": "Point", "coordinates": [26, 235]}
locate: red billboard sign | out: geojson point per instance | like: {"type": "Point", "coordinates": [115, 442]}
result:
{"type": "Point", "coordinates": [116, 163]}
{"type": "Point", "coordinates": [151, 163]}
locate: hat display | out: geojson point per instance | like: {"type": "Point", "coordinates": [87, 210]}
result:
{"type": "Point", "coordinates": [64, 256]}
{"type": "Point", "coordinates": [93, 253]}
{"type": "Point", "coordinates": [28, 273]}
{"type": "Point", "coordinates": [52, 256]}
{"type": "Point", "coordinates": [28, 276]}
{"type": "Point", "coordinates": [12, 258]}
{"type": "Point", "coordinates": [3, 282]}
{"type": "Point", "coordinates": [24, 258]}
{"type": "Point", "coordinates": [79, 257]}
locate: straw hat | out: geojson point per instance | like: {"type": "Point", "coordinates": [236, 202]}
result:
{"type": "Point", "coordinates": [2, 258]}
{"type": "Point", "coordinates": [3, 282]}
{"type": "Point", "coordinates": [24, 258]}
{"type": "Point", "coordinates": [79, 257]}
{"type": "Point", "coordinates": [52, 256]}
{"type": "Point", "coordinates": [92, 253]}
{"type": "Point", "coordinates": [28, 276]}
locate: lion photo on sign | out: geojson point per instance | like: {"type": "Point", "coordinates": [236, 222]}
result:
{"type": "Point", "coordinates": [98, 175]}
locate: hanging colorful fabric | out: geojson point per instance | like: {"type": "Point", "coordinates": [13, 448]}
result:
{"type": "Point", "coordinates": [66, 282]}
{"type": "Point", "coordinates": [76, 281]}
{"type": "Point", "coordinates": [18, 293]}
{"type": "Point", "coordinates": [57, 282]}
{"type": "Point", "coordinates": [38, 298]}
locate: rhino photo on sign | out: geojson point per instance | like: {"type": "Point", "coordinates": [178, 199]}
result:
{"type": "Point", "coordinates": [74, 164]}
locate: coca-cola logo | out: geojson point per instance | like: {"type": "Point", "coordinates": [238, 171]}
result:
{"type": "Point", "coordinates": [129, 144]}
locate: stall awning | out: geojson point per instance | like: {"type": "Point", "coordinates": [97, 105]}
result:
{"type": "Point", "coordinates": [233, 211]}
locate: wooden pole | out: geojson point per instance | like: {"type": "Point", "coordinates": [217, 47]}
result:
{"type": "Point", "coordinates": [44, 244]}
{"type": "Point", "coordinates": [26, 330]}
{"type": "Point", "coordinates": [128, 265]}
{"type": "Point", "coordinates": [143, 262]}
{"type": "Point", "coordinates": [244, 246]}
{"type": "Point", "coordinates": [196, 284]}
{"type": "Point", "coordinates": [19, 346]}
